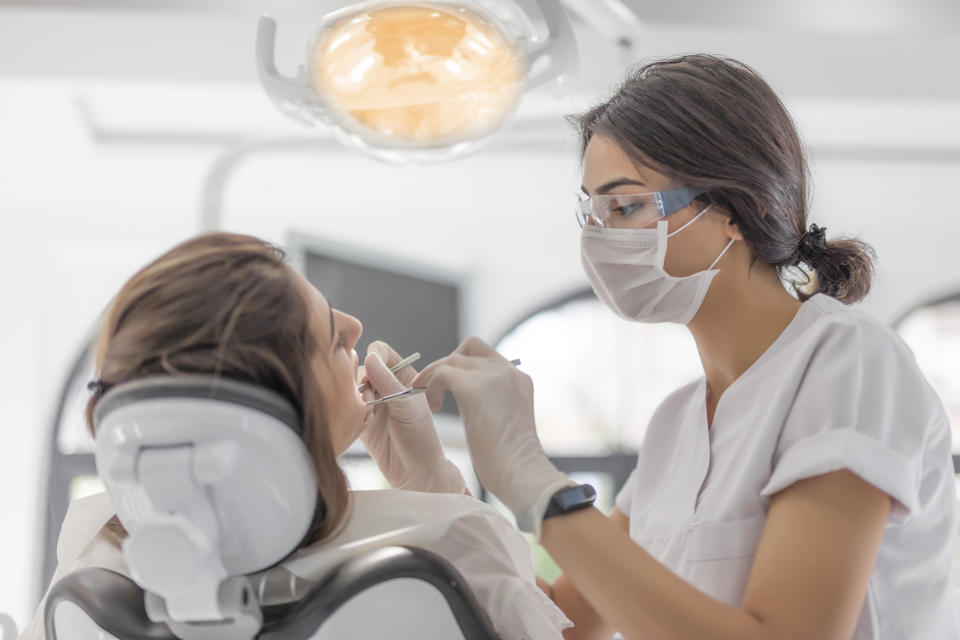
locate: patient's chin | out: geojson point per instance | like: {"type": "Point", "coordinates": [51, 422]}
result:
{"type": "Point", "coordinates": [348, 428]}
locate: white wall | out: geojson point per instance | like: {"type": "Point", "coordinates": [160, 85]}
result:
{"type": "Point", "coordinates": [79, 215]}
{"type": "Point", "coordinates": [76, 222]}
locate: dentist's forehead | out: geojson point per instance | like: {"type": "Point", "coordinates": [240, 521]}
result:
{"type": "Point", "coordinates": [607, 166]}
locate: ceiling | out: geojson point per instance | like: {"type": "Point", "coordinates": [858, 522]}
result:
{"type": "Point", "coordinates": [898, 52]}
{"type": "Point", "coordinates": [891, 16]}
{"type": "Point", "coordinates": [840, 48]}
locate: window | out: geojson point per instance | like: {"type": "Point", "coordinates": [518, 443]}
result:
{"type": "Point", "coordinates": [932, 331]}
{"type": "Point", "coordinates": [598, 380]}
{"type": "Point", "coordinates": [73, 472]}
{"type": "Point", "coordinates": [598, 377]}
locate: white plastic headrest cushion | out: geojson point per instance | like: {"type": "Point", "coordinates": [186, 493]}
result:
{"type": "Point", "coordinates": [232, 448]}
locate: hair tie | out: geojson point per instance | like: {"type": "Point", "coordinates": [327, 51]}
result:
{"type": "Point", "coordinates": [813, 243]}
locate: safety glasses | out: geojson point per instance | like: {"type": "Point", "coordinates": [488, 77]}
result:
{"type": "Point", "coordinates": [635, 210]}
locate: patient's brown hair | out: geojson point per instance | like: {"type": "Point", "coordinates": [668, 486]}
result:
{"type": "Point", "coordinates": [224, 304]}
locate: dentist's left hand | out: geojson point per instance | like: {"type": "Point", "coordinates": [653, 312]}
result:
{"type": "Point", "coordinates": [400, 435]}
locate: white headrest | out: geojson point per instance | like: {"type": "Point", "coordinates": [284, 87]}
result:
{"type": "Point", "coordinates": [210, 477]}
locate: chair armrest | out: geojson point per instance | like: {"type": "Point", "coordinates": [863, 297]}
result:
{"type": "Point", "coordinates": [113, 601]}
{"type": "Point", "coordinates": [356, 574]}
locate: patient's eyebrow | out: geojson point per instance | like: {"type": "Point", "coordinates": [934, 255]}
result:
{"type": "Point", "coordinates": [333, 331]}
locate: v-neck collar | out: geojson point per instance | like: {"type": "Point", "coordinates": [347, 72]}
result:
{"type": "Point", "coordinates": [768, 353]}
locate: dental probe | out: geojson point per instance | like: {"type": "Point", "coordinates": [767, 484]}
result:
{"type": "Point", "coordinates": [400, 365]}
{"type": "Point", "coordinates": [412, 391]}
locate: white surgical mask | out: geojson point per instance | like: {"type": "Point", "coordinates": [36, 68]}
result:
{"type": "Point", "coordinates": [625, 268]}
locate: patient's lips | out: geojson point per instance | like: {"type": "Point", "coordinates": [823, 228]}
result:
{"type": "Point", "coordinates": [358, 375]}
{"type": "Point", "coordinates": [418, 73]}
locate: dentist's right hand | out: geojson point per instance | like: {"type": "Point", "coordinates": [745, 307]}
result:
{"type": "Point", "coordinates": [400, 435]}
{"type": "Point", "coordinates": [496, 404]}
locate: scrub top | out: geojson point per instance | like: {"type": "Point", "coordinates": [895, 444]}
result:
{"type": "Point", "coordinates": [836, 390]}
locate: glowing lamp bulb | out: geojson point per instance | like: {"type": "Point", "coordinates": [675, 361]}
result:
{"type": "Point", "coordinates": [417, 75]}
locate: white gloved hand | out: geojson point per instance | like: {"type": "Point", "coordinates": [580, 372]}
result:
{"type": "Point", "coordinates": [400, 434]}
{"type": "Point", "coordinates": [496, 404]}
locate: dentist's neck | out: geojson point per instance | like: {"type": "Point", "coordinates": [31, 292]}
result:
{"type": "Point", "coordinates": [744, 312]}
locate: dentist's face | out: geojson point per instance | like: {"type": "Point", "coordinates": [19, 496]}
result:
{"type": "Point", "coordinates": [336, 367]}
{"type": "Point", "coordinates": [607, 169]}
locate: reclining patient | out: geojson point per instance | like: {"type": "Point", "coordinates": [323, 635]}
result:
{"type": "Point", "coordinates": [227, 305]}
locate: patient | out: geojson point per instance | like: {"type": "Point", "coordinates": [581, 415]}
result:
{"type": "Point", "coordinates": [226, 305]}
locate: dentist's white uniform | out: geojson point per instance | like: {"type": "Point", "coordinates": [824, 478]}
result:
{"type": "Point", "coordinates": [836, 390]}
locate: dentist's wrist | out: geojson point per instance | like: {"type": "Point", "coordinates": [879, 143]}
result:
{"type": "Point", "coordinates": [530, 518]}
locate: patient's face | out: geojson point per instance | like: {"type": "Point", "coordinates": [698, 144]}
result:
{"type": "Point", "coordinates": [336, 367]}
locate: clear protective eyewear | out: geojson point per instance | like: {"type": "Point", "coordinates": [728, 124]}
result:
{"type": "Point", "coordinates": [634, 210]}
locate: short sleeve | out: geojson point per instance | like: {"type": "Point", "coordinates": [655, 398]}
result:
{"type": "Point", "coordinates": [625, 495]}
{"type": "Point", "coordinates": [861, 405]}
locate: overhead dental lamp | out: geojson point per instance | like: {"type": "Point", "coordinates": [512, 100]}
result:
{"type": "Point", "coordinates": [419, 82]}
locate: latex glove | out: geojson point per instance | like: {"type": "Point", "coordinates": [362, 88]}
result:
{"type": "Point", "coordinates": [496, 404]}
{"type": "Point", "coordinates": [400, 434]}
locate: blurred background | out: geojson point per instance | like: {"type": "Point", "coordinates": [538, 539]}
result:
{"type": "Point", "coordinates": [128, 126]}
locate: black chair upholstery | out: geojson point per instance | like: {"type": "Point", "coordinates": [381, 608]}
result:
{"type": "Point", "coordinates": [352, 576]}
{"type": "Point", "coordinates": [113, 601]}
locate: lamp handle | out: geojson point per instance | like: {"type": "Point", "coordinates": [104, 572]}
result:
{"type": "Point", "coordinates": [290, 96]}
{"type": "Point", "coordinates": [559, 48]}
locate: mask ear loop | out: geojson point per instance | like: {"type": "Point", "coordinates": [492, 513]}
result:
{"type": "Point", "coordinates": [690, 221]}
{"type": "Point", "coordinates": [729, 244]}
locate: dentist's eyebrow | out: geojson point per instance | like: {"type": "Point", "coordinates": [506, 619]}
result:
{"type": "Point", "coordinates": [613, 184]}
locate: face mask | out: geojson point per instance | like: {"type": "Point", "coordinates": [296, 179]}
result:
{"type": "Point", "coordinates": [625, 268]}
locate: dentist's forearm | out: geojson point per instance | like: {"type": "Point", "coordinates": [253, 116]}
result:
{"type": "Point", "coordinates": [545, 586]}
{"type": "Point", "coordinates": [633, 592]}
{"type": "Point", "coordinates": [588, 625]}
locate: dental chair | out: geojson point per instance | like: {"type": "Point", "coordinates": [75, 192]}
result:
{"type": "Point", "coordinates": [214, 485]}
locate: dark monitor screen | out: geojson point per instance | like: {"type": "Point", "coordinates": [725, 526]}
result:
{"type": "Point", "coordinates": [406, 308]}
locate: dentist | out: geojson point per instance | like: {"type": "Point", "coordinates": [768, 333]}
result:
{"type": "Point", "coordinates": [803, 488]}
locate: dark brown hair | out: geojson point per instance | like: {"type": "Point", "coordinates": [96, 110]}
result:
{"type": "Point", "coordinates": [713, 122]}
{"type": "Point", "coordinates": [226, 305]}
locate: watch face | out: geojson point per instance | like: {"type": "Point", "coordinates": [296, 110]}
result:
{"type": "Point", "coordinates": [571, 497]}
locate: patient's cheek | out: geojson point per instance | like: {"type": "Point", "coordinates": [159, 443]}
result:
{"type": "Point", "coordinates": [347, 414]}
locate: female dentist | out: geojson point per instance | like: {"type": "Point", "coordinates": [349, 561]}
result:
{"type": "Point", "coordinates": [803, 488]}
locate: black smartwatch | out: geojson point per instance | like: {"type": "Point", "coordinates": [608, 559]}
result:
{"type": "Point", "coordinates": [570, 499]}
